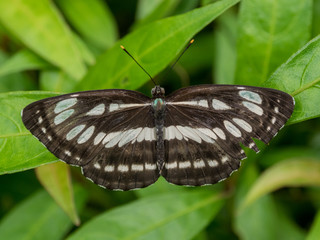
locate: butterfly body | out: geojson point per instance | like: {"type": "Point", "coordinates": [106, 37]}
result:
{"type": "Point", "coordinates": [125, 140]}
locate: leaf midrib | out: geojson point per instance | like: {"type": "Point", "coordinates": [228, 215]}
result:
{"type": "Point", "coordinates": [172, 217]}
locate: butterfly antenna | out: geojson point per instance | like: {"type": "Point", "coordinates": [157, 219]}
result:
{"type": "Point", "coordinates": [175, 62]}
{"type": "Point", "coordinates": [139, 65]}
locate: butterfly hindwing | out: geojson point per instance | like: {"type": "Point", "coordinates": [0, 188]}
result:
{"type": "Point", "coordinates": [101, 132]}
{"type": "Point", "coordinates": [207, 124]}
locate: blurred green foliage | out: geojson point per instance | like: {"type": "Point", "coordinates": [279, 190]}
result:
{"type": "Point", "coordinates": [52, 47]}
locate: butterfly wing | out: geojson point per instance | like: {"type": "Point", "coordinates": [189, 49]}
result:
{"type": "Point", "coordinates": [206, 124]}
{"type": "Point", "coordinates": [101, 132]}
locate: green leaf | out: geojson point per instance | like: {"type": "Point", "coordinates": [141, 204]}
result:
{"type": "Point", "coordinates": [19, 150]}
{"type": "Point", "coordinates": [40, 27]}
{"type": "Point", "coordinates": [38, 217]}
{"type": "Point", "coordinates": [169, 216]}
{"type": "Point", "coordinates": [316, 18]}
{"type": "Point", "coordinates": [57, 81]}
{"type": "Point", "coordinates": [56, 179]}
{"type": "Point", "coordinates": [16, 81]}
{"type": "Point", "coordinates": [199, 56]}
{"type": "Point", "coordinates": [149, 11]}
{"type": "Point", "coordinates": [93, 20]}
{"type": "Point", "coordinates": [270, 31]}
{"type": "Point", "coordinates": [85, 52]}
{"type": "Point", "coordinates": [154, 46]}
{"type": "Point", "coordinates": [225, 49]}
{"type": "Point", "coordinates": [257, 221]}
{"type": "Point", "coordinates": [290, 173]}
{"type": "Point", "coordinates": [300, 76]}
{"type": "Point", "coordinates": [23, 60]}
{"type": "Point", "coordinates": [314, 233]}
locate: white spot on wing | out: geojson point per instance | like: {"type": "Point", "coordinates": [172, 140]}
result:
{"type": "Point", "coordinates": [99, 138]}
{"type": "Point", "coordinates": [253, 108]}
{"type": "Point", "coordinates": [203, 103]}
{"type": "Point", "coordinates": [110, 136]}
{"type": "Point", "coordinates": [43, 130]}
{"type": "Point", "coordinates": [273, 120]}
{"type": "Point", "coordinates": [188, 132]}
{"type": "Point", "coordinates": [68, 153]}
{"type": "Point", "coordinates": [243, 124]}
{"type": "Point", "coordinates": [220, 133]}
{"type": "Point", "coordinates": [171, 132]}
{"type": "Point", "coordinates": [129, 136]}
{"type": "Point", "coordinates": [149, 166]}
{"type": "Point", "coordinates": [185, 164]}
{"type": "Point", "coordinates": [200, 103]}
{"type": "Point", "coordinates": [86, 135]}
{"type": "Point", "coordinates": [171, 165]}
{"type": "Point", "coordinates": [251, 96]}
{"type": "Point", "coordinates": [74, 132]}
{"type": "Point", "coordinates": [213, 163]}
{"type": "Point", "coordinates": [276, 110]}
{"type": "Point", "coordinates": [137, 167]}
{"type": "Point", "coordinates": [219, 105]}
{"type": "Point", "coordinates": [65, 104]}
{"type": "Point", "coordinates": [97, 165]}
{"type": "Point", "coordinates": [109, 168]}
{"type": "Point", "coordinates": [123, 168]}
{"type": "Point", "coordinates": [147, 134]}
{"type": "Point", "coordinates": [40, 119]}
{"type": "Point", "coordinates": [113, 140]}
{"type": "Point", "coordinates": [97, 110]}
{"type": "Point", "coordinates": [251, 145]}
{"type": "Point", "coordinates": [199, 164]}
{"type": "Point", "coordinates": [224, 159]}
{"type": "Point", "coordinates": [63, 116]}
{"type": "Point", "coordinates": [232, 128]}
{"type": "Point", "coordinates": [115, 106]}
{"type": "Point", "coordinates": [49, 138]}
{"type": "Point", "coordinates": [208, 133]}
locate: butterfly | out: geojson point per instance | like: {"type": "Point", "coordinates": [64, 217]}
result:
{"type": "Point", "coordinates": [125, 140]}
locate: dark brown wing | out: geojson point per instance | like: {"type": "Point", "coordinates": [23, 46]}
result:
{"type": "Point", "coordinates": [206, 124]}
{"type": "Point", "coordinates": [109, 133]}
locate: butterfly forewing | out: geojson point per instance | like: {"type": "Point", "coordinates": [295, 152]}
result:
{"type": "Point", "coordinates": [207, 124]}
{"type": "Point", "coordinates": [108, 133]}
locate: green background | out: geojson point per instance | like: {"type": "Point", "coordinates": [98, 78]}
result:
{"type": "Point", "coordinates": [50, 47]}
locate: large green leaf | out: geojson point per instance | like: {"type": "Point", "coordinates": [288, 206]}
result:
{"type": "Point", "coordinates": [56, 179]}
{"type": "Point", "coordinates": [154, 46]}
{"type": "Point", "coordinates": [225, 49]}
{"type": "Point", "coordinates": [269, 32]}
{"type": "Point", "coordinates": [38, 217]}
{"type": "Point", "coordinates": [39, 26]}
{"type": "Point", "coordinates": [290, 173]}
{"type": "Point", "coordinates": [300, 76]}
{"type": "Point", "coordinates": [57, 81]}
{"type": "Point", "coordinates": [23, 60]}
{"type": "Point", "coordinates": [14, 82]}
{"type": "Point", "coordinates": [19, 150]}
{"type": "Point", "coordinates": [168, 216]}
{"type": "Point", "coordinates": [263, 219]}
{"type": "Point", "coordinates": [149, 11]}
{"type": "Point", "coordinates": [314, 234]}
{"type": "Point", "coordinates": [92, 19]}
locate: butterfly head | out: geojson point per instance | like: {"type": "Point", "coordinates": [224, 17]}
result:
{"type": "Point", "coordinates": [157, 92]}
